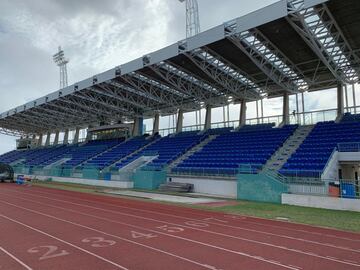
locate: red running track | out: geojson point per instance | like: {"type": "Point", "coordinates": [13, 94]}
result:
{"type": "Point", "coordinates": [43, 228]}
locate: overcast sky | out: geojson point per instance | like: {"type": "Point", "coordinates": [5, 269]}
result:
{"type": "Point", "coordinates": [96, 36]}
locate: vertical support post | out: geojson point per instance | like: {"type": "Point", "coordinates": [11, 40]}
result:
{"type": "Point", "coordinates": [196, 119]}
{"type": "Point", "coordinates": [303, 107]}
{"type": "Point", "coordinates": [56, 140]}
{"type": "Point", "coordinates": [179, 122]}
{"type": "Point", "coordinates": [297, 110]}
{"type": "Point", "coordinates": [88, 134]}
{"type": "Point", "coordinates": [207, 117]}
{"type": "Point", "coordinates": [138, 126]}
{"type": "Point", "coordinates": [77, 135]}
{"type": "Point", "coordinates": [242, 119]}
{"type": "Point", "coordinates": [156, 123]}
{"type": "Point", "coordinates": [200, 117]}
{"type": "Point", "coordinates": [66, 136]}
{"type": "Point", "coordinates": [47, 142]}
{"type": "Point", "coordinates": [354, 97]}
{"type": "Point", "coordinates": [262, 111]}
{"type": "Point", "coordinates": [135, 127]}
{"type": "Point", "coordinates": [224, 117]}
{"type": "Point", "coordinates": [257, 112]}
{"type": "Point", "coordinates": [286, 118]}
{"type": "Point", "coordinates": [340, 102]}
{"type": "Point", "coordinates": [141, 126]}
{"type": "Point", "coordinates": [40, 140]}
{"type": "Point", "coordinates": [228, 114]}
{"type": "Point", "coordinates": [346, 98]}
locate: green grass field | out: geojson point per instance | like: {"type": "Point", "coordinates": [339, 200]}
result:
{"type": "Point", "coordinates": [342, 220]}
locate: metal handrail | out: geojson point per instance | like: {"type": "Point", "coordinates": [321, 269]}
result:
{"type": "Point", "coordinates": [349, 147]}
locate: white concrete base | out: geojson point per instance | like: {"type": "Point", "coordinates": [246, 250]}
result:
{"type": "Point", "coordinates": [217, 187]}
{"type": "Point", "coordinates": [163, 197]}
{"type": "Point", "coordinates": [90, 182]}
{"type": "Point", "coordinates": [321, 202]}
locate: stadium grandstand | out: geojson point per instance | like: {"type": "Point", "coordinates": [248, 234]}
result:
{"type": "Point", "coordinates": [282, 50]}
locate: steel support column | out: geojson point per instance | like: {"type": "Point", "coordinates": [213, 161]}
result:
{"type": "Point", "coordinates": [66, 136]}
{"type": "Point", "coordinates": [242, 119]}
{"type": "Point", "coordinates": [47, 142]}
{"type": "Point", "coordinates": [56, 140]}
{"type": "Point", "coordinates": [207, 117]}
{"type": "Point", "coordinates": [138, 126]}
{"type": "Point", "coordinates": [346, 98]}
{"type": "Point", "coordinates": [340, 102]}
{"type": "Point", "coordinates": [262, 111]}
{"type": "Point", "coordinates": [285, 114]}
{"type": "Point", "coordinates": [303, 107]}
{"type": "Point", "coordinates": [354, 97]}
{"type": "Point", "coordinates": [40, 140]}
{"type": "Point", "coordinates": [257, 112]}
{"type": "Point", "coordinates": [77, 135]}
{"type": "Point", "coordinates": [156, 123]}
{"type": "Point", "coordinates": [297, 110]}
{"type": "Point", "coordinates": [179, 122]}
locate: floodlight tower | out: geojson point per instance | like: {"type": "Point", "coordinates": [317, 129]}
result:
{"type": "Point", "coordinates": [192, 17]}
{"type": "Point", "coordinates": [61, 61]}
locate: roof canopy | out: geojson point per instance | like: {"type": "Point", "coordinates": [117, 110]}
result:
{"type": "Point", "coordinates": [289, 46]}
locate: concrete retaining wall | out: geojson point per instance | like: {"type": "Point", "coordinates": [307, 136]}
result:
{"type": "Point", "coordinates": [321, 202]}
{"type": "Point", "coordinates": [91, 182]}
{"type": "Point", "coordinates": [225, 188]}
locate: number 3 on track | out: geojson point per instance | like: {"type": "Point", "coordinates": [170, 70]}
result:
{"type": "Point", "coordinates": [49, 252]}
{"type": "Point", "coordinates": [98, 242]}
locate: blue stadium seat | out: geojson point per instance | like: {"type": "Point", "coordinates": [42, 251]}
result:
{"type": "Point", "coordinates": [253, 144]}
{"type": "Point", "coordinates": [311, 157]}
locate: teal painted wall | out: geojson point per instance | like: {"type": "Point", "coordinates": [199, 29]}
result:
{"type": "Point", "coordinates": [260, 187]}
{"type": "Point", "coordinates": [148, 179]}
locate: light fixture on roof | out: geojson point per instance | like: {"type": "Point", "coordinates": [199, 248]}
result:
{"type": "Point", "coordinates": [61, 61]}
{"type": "Point", "coordinates": [192, 17]}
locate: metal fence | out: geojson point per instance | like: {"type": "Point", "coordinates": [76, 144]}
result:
{"type": "Point", "coordinates": [349, 147]}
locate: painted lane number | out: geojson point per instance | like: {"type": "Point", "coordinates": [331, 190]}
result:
{"type": "Point", "coordinates": [198, 224]}
{"type": "Point", "coordinates": [170, 229]}
{"type": "Point", "coordinates": [48, 252]}
{"type": "Point", "coordinates": [137, 235]}
{"type": "Point", "coordinates": [98, 242]}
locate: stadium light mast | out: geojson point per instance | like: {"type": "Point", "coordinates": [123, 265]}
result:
{"type": "Point", "coordinates": [61, 61]}
{"type": "Point", "coordinates": [192, 17]}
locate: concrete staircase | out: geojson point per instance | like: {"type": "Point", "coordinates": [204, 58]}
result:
{"type": "Point", "coordinates": [137, 163]}
{"type": "Point", "coordinates": [99, 154]}
{"type": "Point", "coordinates": [192, 151]}
{"type": "Point", "coordinates": [133, 153]}
{"type": "Point", "coordinates": [280, 157]}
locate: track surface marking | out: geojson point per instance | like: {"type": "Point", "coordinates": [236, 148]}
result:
{"type": "Point", "coordinates": [177, 237]}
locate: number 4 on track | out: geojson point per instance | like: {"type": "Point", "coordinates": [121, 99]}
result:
{"type": "Point", "coordinates": [137, 235]}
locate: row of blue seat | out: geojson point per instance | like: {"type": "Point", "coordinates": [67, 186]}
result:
{"type": "Point", "coordinates": [310, 158]}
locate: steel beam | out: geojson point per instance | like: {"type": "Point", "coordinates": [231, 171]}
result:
{"type": "Point", "coordinates": [319, 30]}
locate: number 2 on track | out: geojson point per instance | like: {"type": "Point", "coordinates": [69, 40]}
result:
{"type": "Point", "coordinates": [49, 252]}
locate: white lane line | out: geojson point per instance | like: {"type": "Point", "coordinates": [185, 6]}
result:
{"type": "Point", "coordinates": [213, 223]}
{"type": "Point", "coordinates": [155, 231]}
{"type": "Point", "coordinates": [243, 217]}
{"type": "Point", "coordinates": [65, 242]}
{"type": "Point", "coordinates": [15, 259]}
{"type": "Point", "coordinates": [137, 243]}
{"type": "Point", "coordinates": [193, 228]}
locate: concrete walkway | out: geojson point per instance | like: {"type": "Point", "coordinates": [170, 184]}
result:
{"type": "Point", "coordinates": [162, 197]}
